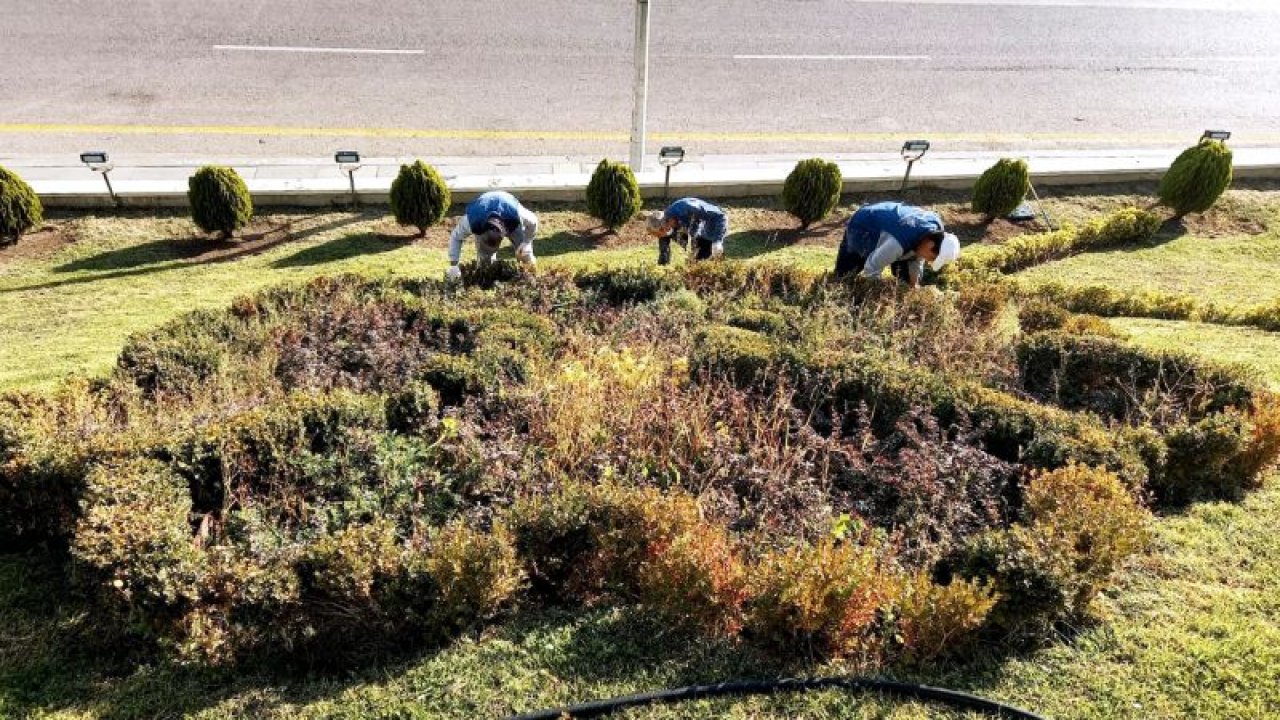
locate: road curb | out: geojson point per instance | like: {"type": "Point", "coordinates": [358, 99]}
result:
{"type": "Point", "coordinates": [311, 188]}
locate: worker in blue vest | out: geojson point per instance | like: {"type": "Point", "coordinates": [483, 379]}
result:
{"type": "Point", "coordinates": [897, 236]}
{"type": "Point", "coordinates": [492, 217]}
{"type": "Point", "coordinates": [706, 224]}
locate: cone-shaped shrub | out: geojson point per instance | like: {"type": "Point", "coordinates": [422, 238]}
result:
{"type": "Point", "coordinates": [812, 190]}
{"type": "Point", "coordinates": [20, 209]}
{"type": "Point", "coordinates": [613, 194]}
{"type": "Point", "coordinates": [219, 200]}
{"type": "Point", "coordinates": [1001, 188]}
{"type": "Point", "coordinates": [1197, 178]}
{"type": "Point", "coordinates": [419, 196]}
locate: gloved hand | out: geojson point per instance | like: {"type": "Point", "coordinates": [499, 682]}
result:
{"type": "Point", "coordinates": [717, 249]}
{"type": "Point", "coordinates": [524, 254]}
{"type": "Point", "coordinates": [453, 274]}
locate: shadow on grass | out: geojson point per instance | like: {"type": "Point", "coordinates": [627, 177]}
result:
{"type": "Point", "coordinates": [343, 248]}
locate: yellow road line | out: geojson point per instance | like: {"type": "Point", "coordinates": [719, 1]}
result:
{"type": "Point", "coordinates": [461, 134]}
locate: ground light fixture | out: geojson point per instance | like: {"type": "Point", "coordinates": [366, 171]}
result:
{"type": "Point", "coordinates": [1222, 135]}
{"type": "Point", "coordinates": [912, 150]}
{"type": "Point", "coordinates": [100, 162]}
{"type": "Point", "coordinates": [669, 157]}
{"type": "Point", "coordinates": [349, 162]}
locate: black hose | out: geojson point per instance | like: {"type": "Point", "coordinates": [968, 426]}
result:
{"type": "Point", "coordinates": [953, 698]}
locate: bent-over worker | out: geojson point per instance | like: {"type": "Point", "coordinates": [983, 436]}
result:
{"type": "Point", "coordinates": [706, 224]}
{"type": "Point", "coordinates": [897, 236]}
{"type": "Point", "coordinates": [492, 217]}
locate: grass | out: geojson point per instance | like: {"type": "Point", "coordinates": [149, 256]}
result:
{"type": "Point", "coordinates": [1190, 631]}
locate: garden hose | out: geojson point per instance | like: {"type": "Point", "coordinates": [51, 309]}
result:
{"type": "Point", "coordinates": [965, 701]}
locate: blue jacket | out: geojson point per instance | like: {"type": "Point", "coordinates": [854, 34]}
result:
{"type": "Point", "coordinates": [905, 223]}
{"type": "Point", "coordinates": [503, 205]}
{"type": "Point", "coordinates": [690, 212]}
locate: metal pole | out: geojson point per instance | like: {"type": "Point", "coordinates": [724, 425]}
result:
{"type": "Point", "coordinates": [906, 177]}
{"type": "Point", "coordinates": [641, 85]}
{"type": "Point", "coordinates": [355, 201]}
{"type": "Point", "coordinates": [114, 200]}
{"type": "Point", "coordinates": [666, 185]}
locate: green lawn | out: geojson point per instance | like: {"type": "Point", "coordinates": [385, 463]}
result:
{"type": "Point", "coordinates": [1190, 631]}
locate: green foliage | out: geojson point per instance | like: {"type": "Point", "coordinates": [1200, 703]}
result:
{"type": "Point", "coordinates": [628, 285]}
{"type": "Point", "coordinates": [765, 322]}
{"type": "Point", "coordinates": [414, 409]}
{"type": "Point", "coordinates": [476, 574]}
{"type": "Point", "coordinates": [41, 472]}
{"type": "Point", "coordinates": [1197, 178]}
{"type": "Point", "coordinates": [178, 358]}
{"type": "Point", "coordinates": [744, 356]}
{"type": "Point", "coordinates": [613, 195]}
{"type": "Point", "coordinates": [982, 303]}
{"type": "Point", "coordinates": [219, 200]}
{"type": "Point", "coordinates": [419, 196]}
{"type": "Point", "coordinates": [454, 378]}
{"type": "Point", "coordinates": [812, 190]}
{"type": "Point", "coordinates": [1001, 188]}
{"type": "Point", "coordinates": [1037, 315]}
{"type": "Point", "coordinates": [20, 207]}
{"type": "Point", "coordinates": [1128, 227]}
{"type": "Point", "coordinates": [935, 620]}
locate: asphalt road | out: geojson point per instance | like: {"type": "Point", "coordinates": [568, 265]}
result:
{"type": "Point", "coordinates": [554, 76]}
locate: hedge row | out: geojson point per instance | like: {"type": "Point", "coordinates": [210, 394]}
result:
{"type": "Point", "coordinates": [1112, 302]}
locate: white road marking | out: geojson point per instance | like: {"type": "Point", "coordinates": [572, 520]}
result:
{"type": "Point", "coordinates": [830, 57]}
{"type": "Point", "coordinates": [344, 51]}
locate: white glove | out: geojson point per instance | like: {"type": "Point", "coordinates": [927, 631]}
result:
{"type": "Point", "coordinates": [717, 249]}
{"type": "Point", "coordinates": [524, 254]}
{"type": "Point", "coordinates": [453, 274]}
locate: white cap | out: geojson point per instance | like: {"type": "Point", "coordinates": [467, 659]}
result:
{"type": "Point", "coordinates": [948, 250]}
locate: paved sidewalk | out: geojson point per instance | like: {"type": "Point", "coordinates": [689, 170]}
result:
{"type": "Point", "coordinates": [161, 180]}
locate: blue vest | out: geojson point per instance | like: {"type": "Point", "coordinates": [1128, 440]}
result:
{"type": "Point", "coordinates": [907, 223]}
{"type": "Point", "coordinates": [689, 211]}
{"type": "Point", "coordinates": [502, 205]}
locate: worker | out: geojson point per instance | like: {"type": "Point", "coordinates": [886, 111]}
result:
{"type": "Point", "coordinates": [492, 217]}
{"type": "Point", "coordinates": [897, 236]}
{"type": "Point", "coordinates": [705, 223]}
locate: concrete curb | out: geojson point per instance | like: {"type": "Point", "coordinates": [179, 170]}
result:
{"type": "Point", "coordinates": [312, 183]}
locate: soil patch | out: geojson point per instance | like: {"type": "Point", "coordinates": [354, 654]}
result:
{"type": "Point", "coordinates": [973, 228]}
{"type": "Point", "coordinates": [38, 245]}
{"type": "Point", "coordinates": [1223, 223]}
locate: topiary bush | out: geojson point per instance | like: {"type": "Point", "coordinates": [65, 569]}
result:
{"type": "Point", "coordinates": [1001, 188]}
{"type": "Point", "coordinates": [812, 190]}
{"type": "Point", "coordinates": [1197, 178]}
{"type": "Point", "coordinates": [613, 195]}
{"type": "Point", "coordinates": [419, 196]}
{"type": "Point", "coordinates": [20, 208]}
{"type": "Point", "coordinates": [219, 200]}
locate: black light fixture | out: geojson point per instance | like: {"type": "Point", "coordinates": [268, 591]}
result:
{"type": "Point", "coordinates": [349, 162]}
{"type": "Point", "coordinates": [912, 150]}
{"type": "Point", "coordinates": [669, 157]}
{"type": "Point", "coordinates": [99, 162]}
{"type": "Point", "coordinates": [1222, 135]}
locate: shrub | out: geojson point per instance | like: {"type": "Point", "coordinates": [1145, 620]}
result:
{"type": "Point", "coordinates": [178, 358]}
{"type": "Point", "coordinates": [628, 285]}
{"type": "Point", "coordinates": [134, 539]}
{"type": "Point", "coordinates": [1264, 445]}
{"type": "Point", "coordinates": [413, 409]}
{"type": "Point", "coordinates": [1037, 315]}
{"type": "Point", "coordinates": [454, 377]}
{"type": "Point", "coordinates": [491, 274]}
{"type": "Point", "coordinates": [1204, 460]}
{"type": "Point", "coordinates": [697, 580]}
{"type": "Point", "coordinates": [1001, 188]}
{"type": "Point", "coordinates": [419, 196]}
{"type": "Point", "coordinates": [344, 567]}
{"type": "Point", "coordinates": [20, 207]}
{"type": "Point", "coordinates": [936, 620]}
{"type": "Point", "coordinates": [219, 200]}
{"type": "Point", "coordinates": [1197, 178]}
{"type": "Point", "coordinates": [613, 195]}
{"type": "Point", "coordinates": [819, 599]}
{"type": "Point", "coordinates": [741, 355]}
{"type": "Point", "coordinates": [1081, 525]}
{"type": "Point", "coordinates": [476, 573]}
{"type": "Point", "coordinates": [812, 190]}
{"type": "Point", "coordinates": [1123, 228]}
{"type": "Point", "coordinates": [982, 303]}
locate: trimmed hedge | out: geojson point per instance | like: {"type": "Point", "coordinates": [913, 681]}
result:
{"type": "Point", "coordinates": [1001, 188]}
{"type": "Point", "coordinates": [1197, 178]}
{"type": "Point", "coordinates": [419, 196]}
{"type": "Point", "coordinates": [812, 190]}
{"type": "Point", "coordinates": [20, 207]}
{"type": "Point", "coordinates": [613, 195]}
{"type": "Point", "coordinates": [219, 200]}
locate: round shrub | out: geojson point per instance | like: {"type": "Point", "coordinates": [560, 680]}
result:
{"type": "Point", "coordinates": [219, 200]}
{"type": "Point", "coordinates": [1197, 178]}
{"type": "Point", "coordinates": [744, 356]}
{"type": "Point", "coordinates": [419, 196]}
{"type": "Point", "coordinates": [812, 190]}
{"type": "Point", "coordinates": [20, 208]}
{"type": "Point", "coordinates": [613, 194]}
{"type": "Point", "coordinates": [1001, 188]}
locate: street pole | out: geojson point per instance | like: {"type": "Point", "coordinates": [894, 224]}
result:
{"type": "Point", "coordinates": [641, 85]}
